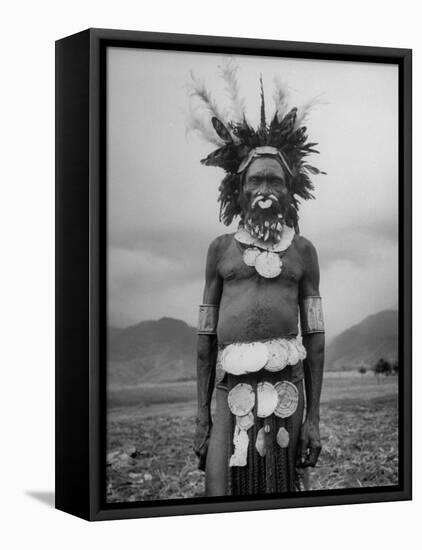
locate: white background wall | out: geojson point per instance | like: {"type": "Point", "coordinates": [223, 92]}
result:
{"type": "Point", "coordinates": [27, 272]}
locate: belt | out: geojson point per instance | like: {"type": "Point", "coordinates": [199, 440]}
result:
{"type": "Point", "coordinates": [271, 355]}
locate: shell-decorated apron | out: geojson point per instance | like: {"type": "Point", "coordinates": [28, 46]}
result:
{"type": "Point", "coordinates": [265, 398]}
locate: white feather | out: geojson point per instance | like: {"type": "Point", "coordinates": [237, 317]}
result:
{"type": "Point", "coordinates": [196, 123]}
{"type": "Point", "coordinates": [281, 97]}
{"type": "Point", "coordinates": [198, 89]}
{"type": "Point", "coordinates": [305, 110]}
{"type": "Point", "coordinates": [228, 71]}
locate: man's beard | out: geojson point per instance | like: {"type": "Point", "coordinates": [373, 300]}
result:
{"type": "Point", "coordinates": [264, 217]}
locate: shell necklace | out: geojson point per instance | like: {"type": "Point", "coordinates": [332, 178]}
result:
{"type": "Point", "coordinates": [263, 256]}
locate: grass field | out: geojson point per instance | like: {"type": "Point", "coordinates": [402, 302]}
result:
{"type": "Point", "coordinates": [150, 433]}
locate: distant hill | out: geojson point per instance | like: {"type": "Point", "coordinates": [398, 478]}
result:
{"type": "Point", "coordinates": [363, 344]}
{"type": "Point", "coordinates": [151, 351]}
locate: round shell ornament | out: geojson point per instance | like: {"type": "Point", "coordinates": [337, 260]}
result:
{"type": "Point", "coordinates": [288, 398]}
{"type": "Point", "coordinates": [278, 355]}
{"type": "Point", "coordinates": [219, 371]}
{"type": "Point", "coordinates": [260, 442]}
{"type": "Point", "coordinates": [294, 356]}
{"type": "Point", "coordinates": [250, 255]}
{"type": "Point", "coordinates": [243, 358]}
{"type": "Point", "coordinates": [219, 375]}
{"type": "Point", "coordinates": [283, 438]}
{"type": "Point", "coordinates": [267, 398]}
{"type": "Point", "coordinates": [268, 264]}
{"type": "Point", "coordinates": [219, 364]}
{"type": "Point", "coordinates": [243, 236]}
{"type": "Point", "coordinates": [301, 348]}
{"type": "Point", "coordinates": [245, 422]}
{"type": "Point", "coordinates": [241, 399]}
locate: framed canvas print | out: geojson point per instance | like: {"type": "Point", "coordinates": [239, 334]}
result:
{"type": "Point", "coordinates": [233, 274]}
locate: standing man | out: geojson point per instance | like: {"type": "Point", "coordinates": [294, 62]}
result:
{"type": "Point", "coordinates": [261, 283]}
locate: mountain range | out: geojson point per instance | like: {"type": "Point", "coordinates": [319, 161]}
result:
{"type": "Point", "coordinates": [363, 344]}
{"type": "Point", "coordinates": [151, 351]}
{"type": "Point", "coordinates": [165, 350]}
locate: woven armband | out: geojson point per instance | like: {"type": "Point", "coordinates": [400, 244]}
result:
{"type": "Point", "coordinates": [208, 316]}
{"type": "Point", "coordinates": [311, 317]}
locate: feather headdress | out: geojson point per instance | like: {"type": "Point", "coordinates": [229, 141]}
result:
{"type": "Point", "coordinates": [236, 138]}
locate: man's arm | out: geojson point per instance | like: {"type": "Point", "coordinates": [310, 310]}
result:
{"type": "Point", "coordinates": [312, 326]}
{"type": "Point", "coordinates": [207, 351]}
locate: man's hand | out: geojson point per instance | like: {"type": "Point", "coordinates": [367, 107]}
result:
{"type": "Point", "coordinates": [200, 442]}
{"type": "Point", "coordinates": [309, 444]}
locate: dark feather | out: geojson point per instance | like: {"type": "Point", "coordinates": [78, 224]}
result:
{"type": "Point", "coordinates": [263, 121]}
{"type": "Point", "coordinates": [299, 136]}
{"type": "Point", "coordinates": [310, 147]}
{"type": "Point", "coordinates": [303, 186]}
{"type": "Point", "coordinates": [288, 122]}
{"type": "Point", "coordinates": [229, 198]}
{"type": "Point", "coordinates": [228, 157]}
{"type": "Point", "coordinates": [221, 130]}
{"type": "Point", "coordinates": [313, 170]}
{"type": "Point", "coordinates": [274, 125]}
{"type": "Point", "coordinates": [220, 157]}
{"type": "Point", "coordinates": [246, 135]}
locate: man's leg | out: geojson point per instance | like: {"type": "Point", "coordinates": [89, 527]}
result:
{"type": "Point", "coordinates": [217, 456]}
{"type": "Point", "coordinates": [293, 425]}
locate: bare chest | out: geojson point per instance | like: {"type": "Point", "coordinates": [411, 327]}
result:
{"type": "Point", "coordinates": [232, 267]}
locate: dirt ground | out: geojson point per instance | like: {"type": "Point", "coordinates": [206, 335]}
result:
{"type": "Point", "coordinates": [150, 453]}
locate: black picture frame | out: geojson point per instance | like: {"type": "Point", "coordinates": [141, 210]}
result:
{"type": "Point", "coordinates": [81, 271]}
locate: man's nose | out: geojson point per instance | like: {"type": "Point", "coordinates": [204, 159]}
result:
{"type": "Point", "coordinates": [264, 188]}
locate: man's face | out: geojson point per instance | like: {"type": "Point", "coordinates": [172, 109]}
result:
{"type": "Point", "coordinates": [265, 198]}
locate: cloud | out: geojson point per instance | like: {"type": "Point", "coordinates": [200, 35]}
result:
{"type": "Point", "coordinates": [351, 292]}
{"type": "Point", "coordinates": [130, 270]}
{"type": "Point", "coordinates": [361, 246]}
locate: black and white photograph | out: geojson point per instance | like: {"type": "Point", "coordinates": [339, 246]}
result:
{"type": "Point", "coordinates": [210, 237]}
{"type": "Point", "coordinates": [252, 275]}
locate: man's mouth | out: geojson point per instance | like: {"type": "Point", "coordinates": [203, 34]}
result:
{"type": "Point", "coordinates": [263, 202]}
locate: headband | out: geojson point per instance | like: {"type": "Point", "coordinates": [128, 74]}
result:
{"type": "Point", "coordinates": [264, 151]}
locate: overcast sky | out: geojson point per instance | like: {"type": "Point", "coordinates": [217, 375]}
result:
{"type": "Point", "coordinates": [162, 203]}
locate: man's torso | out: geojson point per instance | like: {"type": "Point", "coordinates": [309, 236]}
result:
{"type": "Point", "coordinates": [252, 307]}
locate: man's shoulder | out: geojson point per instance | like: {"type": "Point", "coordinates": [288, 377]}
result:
{"type": "Point", "coordinates": [307, 251]}
{"type": "Point", "coordinates": [220, 243]}
{"type": "Point", "coordinates": [304, 245]}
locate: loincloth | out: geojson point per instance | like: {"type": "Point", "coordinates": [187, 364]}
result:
{"type": "Point", "coordinates": [263, 442]}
